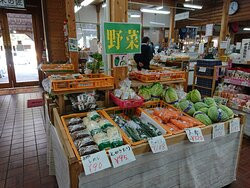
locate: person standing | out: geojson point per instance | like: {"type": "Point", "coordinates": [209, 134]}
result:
{"type": "Point", "coordinates": [143, 59]}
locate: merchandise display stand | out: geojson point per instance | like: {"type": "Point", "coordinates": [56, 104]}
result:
{"type": "Point", "coordinates": [186, 164]}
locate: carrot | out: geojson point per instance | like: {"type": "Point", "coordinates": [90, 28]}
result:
{"type": "Point", "coordinates": [180, 124]}
{"type": "Point", "coordinates": [157, 118]}
{"type": "Point", "coordinates": [190, 120]}
{"type": "Point", "coordinates": [157, 112]}
{"type": "Point", "coordinates": [172, 127]}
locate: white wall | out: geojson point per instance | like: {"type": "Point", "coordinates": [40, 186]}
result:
{"type": "Point", "coordinates": [87, 14]}
{"type": "Point", "coordinates": [161, 18]}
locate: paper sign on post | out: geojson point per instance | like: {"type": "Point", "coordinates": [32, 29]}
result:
{"type": "Point", "coordinates": [194, 134]}
{"type": "Point", "coordinates": [121, 155]}
{"type": "Point", "coordinates": [234, 125]}
{"type": "Point", "coordinates": [157, 144]}
{"type": "Point", "coordinates": [95, 162]}
{"type": "Point", "coordinates": [218, 130]}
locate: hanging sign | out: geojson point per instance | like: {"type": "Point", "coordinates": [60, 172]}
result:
{"type": "Point", "coordinates": [181, 16]}
{"type": "Point", "coordinates": [122, 38]}
{"type": "Point", "coordinates": [19, 4]}
{"type": "Point", "coordinates": [209, 30]}
{"type": "Point", "coordinates": [73, 46]}
{"type": "Point", "coordinates": [194, 134]}
{"type": "Point", "coordinates": [95, 162]}
{"type": "Point", "coordinates": [157, 144]}
{"type": "Point", "coordinates": [121, 155]}
{"type": "Point", "coordinates": [120, 60]}
{"type": "Point", "coordinates": [234, 125]}
{"type": "Point", "coordinates": [218, 130]}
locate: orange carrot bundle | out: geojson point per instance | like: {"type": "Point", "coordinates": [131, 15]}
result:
{"type": "Point", "coordinates": [189, 120]}
{"type": "Point", "coordinates": [172, 127]}
{"type": "Point", "coordinates": [181, 124]}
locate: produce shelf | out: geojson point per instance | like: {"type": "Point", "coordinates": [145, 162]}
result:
{"type": "Point", "coordinates": [236, 81]}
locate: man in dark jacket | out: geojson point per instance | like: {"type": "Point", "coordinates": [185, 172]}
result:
{"type": "Point", "coordinates": [143, 59]}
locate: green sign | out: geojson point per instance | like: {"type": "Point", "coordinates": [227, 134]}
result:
{"type": "Point", "coordinates": [122, 38]}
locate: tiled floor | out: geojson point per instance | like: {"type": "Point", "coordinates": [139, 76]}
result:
{"type": "Point", "coordinates": [23, 161]}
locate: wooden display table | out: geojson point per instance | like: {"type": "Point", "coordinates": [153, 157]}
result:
{"type": "Point", "coordinates": [212, 163]}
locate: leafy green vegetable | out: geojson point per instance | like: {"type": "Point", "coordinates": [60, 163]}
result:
{"type": "Point", "coordinates": [187, 107]}
{"type": "Point", "coordinates": [209, 101]}
{"type": "Point", "coordinates": [202, 117]}
{"type": "Point", "coordinates": [228, 111]}
{"type": "Point", "coordinates": [195, 96]}
{"type": "Point", "coordinates": [171, 96]}
{"type": "Point", "coordinates": [200, 105]}
{"type": "Point", "coordinates": [156, 89]}
{"type": "Point", "coordinates": [145, 92]}
{"type": "Point", "coordinates": [205, 110]}
{"type": "Point", "coordinates": [217, 114]}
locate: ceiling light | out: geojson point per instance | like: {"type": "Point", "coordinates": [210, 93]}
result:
{"type": "Point", "coordinates": [157, 23]}
{"type": "Point", "coordinates": [153, 11]}
{"type": "Point", "coordinates": [104, 5]}
{"type": "Point", "coordinates": [246, 29]}
{"type": "Point", "coordinates": [135, 15]}
{"type": "Point", "coordinates": [192, 6]}
{"type": "Point", "coordinates": [159, 8]}
{"type": "Point", "coordinates": [192, 27]}
{"type": "Point", "coordinates": [86, 2]}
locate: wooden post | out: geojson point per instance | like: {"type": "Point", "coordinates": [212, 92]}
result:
{"type": "Point", "coordinates": [224, 24]}
{"type": "Point", "coordinates": [98, 7]}
{"type": "Point", "coordinates": [70, 16]}
{"type": "Point", "coordinates": [119, 13]}
{"type": "Point", "coordinates": [172, 23]}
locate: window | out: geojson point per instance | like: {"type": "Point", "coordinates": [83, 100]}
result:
{"type": "Point", "coordinates": [85, 33]}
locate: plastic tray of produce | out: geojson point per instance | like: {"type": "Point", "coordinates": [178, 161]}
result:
{"type": "Point", "coordinates": [169, 117]}
{"type": "Point", "coordinates": [136, 127]}
{"type": "Point", "coordinates": [82, 132]}
{"type": "Point", "coordinates": [131, 103]}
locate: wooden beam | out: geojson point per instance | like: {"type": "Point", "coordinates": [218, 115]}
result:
{"type": "Point", "coordinates": [98, 8]}
{"type": "Point", "coordinates": [70, 16]}
{"type": "Point", "coordinates": [172, 23]}
{"type": "Point", "coordinates": [224, 24]}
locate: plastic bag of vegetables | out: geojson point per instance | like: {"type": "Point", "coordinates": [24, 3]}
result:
{"type": "Point", "coordinates": [229, 112]}
{"type": "Point", "coordinates": [187, 107]}
{"type": "Point", "coordinates": [202, 117]}
{"type": "Point", "coordinates": [200, 105]}
{"type": "Point", "coordinates": [209, 101]}
{"type": "Point", "coordinates": [145, 92]}
{"type": "Point", "coordinates": [170, 96]}
{"type": "Point", "coordinates": [195, 96]}
{"type": "Point", "coordinates": [217, 114]}
{"type": "Point", "coordinates": [156, 89]}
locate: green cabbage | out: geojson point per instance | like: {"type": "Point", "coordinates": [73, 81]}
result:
{"type": "Point", "coordinates": [171, 96]}
{"type": "Point", "coordinates": [195, 96]}
{"type": "Point", "coordinates": [157, 89]}
{"type": "Point", "coordinates": [209, 101]}
{"type": "Point", "coordinates": [188, 97]}
{"type": "Point", "coordinates": [202, 117]}
{"type": "Point", "coordinates": [187, 107]}
{"type": "Point", "coordinates": [217, 114]}
{"type": "Point", "coordinates": [205, 110]}
{"type": "Point", "coordinates": [145, 92]}
{"type": "Point", "coordinates": [200, 105]}
{"type": "Point", "coordinates": [228, 111]}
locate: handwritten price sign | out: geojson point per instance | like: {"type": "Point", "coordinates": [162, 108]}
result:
{"type": "Point", "coordinates": [157, 144]}
{"type": "Point", "coordinates": [234, 125]}
{"type": "Point", "coordinates": [121, 155]}
{"type": "Point", "coordinates": [95, 162]}
{"type": "Point", "coordinates": [194, 135]}
{"type": "Point", "coordinates": [218, 130]}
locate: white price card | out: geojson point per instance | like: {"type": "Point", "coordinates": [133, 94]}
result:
{"type": "Point", "coordinates": [218, 130]}
{"type": "Point", "coordinates": [95, 162]}
{"type": "Point", "coordinates": [234, 125]}
{"type": "Point", "coordinates": [202, 69]}
{"type": "Point", "coordinates": [121, 155]}
{"type": "Point", "coordinates": [194, 134]}
{"type": "Point", "coordinates": [158, 144]}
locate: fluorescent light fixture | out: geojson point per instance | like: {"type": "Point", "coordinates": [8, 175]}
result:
{"type": "Point", "coordinates": [86, 2]}
{"type": "Point", "coordinates": [246, 29]}
{"type": "Point", "coordinates": [159, 8]}
{"type": "Point", "coordinates": [77, 8]}
{"type": "Point", "coordinates": [104, 5]}
{"type": "Point", "coordinates": [192, 6]}
{"type": "Point", "coordinates": [157, 23]}
{"type": "Point", "coordinates": [135, 15]}
{"type": "Point", "coordinates": [192, 27]}
{"type": "Point", "coordinates": [153, 11]}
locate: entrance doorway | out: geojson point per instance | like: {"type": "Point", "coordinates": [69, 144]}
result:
{"type": "Point", "coordinates": [18, 58]}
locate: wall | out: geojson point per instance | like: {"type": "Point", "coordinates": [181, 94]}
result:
{"type": "Point", "coordinates": [87, 14]}
{"type": "Point", "coordinates": [54, 17]}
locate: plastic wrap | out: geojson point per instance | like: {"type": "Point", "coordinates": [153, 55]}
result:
{"type": "Point", "coordinates": [114, 137]}
{"type": "Point", "coordinates": [80, 134]}
{"type": "Point", "coordinates": [77, 127]}
{"type": "Point", "coordinates": [84, 142]}
{"type": "Point", "coordinates": [102, 140]}
{"type": "Point", "coordinates": [88, 150]}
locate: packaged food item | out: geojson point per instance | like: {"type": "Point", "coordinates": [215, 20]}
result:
{"type": "Point", "coordinates": [88, 150]}
{"type": "Point", "coordinates": [104, 124]}
{"type": "Point", "coordinates": [102, 140]}
{"type": "Point", "coordinates": [114, 137]}
{"type": "Point", "coordinates": [86, 121]}
{"type": "Point", "coordinates": [93, 127]}
{"type": "Point", "coordinates": [93, 116]}
{"type": "Point", "coordinates": [74, 121]}
{"type": "Point", "coordinates": [84, 142]}
{"type": "Point", "coordinates": [77, 127]}
{"type": "Point", "coordinates": [80, 134]}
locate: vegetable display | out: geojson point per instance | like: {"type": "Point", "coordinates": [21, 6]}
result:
{"type": "Point", "coordinates": [157, 89]}
{"type": "Point", "coordinates": [170, 96]}
{"type": "Point", "coordinates": [195, 96]}
{"type": "Point", "coordinates": [187, 107]}
{"type": "Point", "coordinates": [202, 117]}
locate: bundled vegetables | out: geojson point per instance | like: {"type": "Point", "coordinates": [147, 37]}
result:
{"type": "Point", "coordinates": [195, 96]}
{"type": "Point", "coordinates": [145, 92]}
{"type": "Point", "coordinates": [187, 107]}
{"type": "Point", "coordinates": [209, 101]}
{"type": "Point", "coordinates": [157, 89]}
{"type": "Point", "coordinates": [170, 96]}
{"type": "Point", "coordinates": [202, 117]}
{"type": "Point", "coordinates": [216, 114]}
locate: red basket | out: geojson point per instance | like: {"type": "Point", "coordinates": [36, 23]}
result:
{"type": "Point", "coordinates": [132, 103]}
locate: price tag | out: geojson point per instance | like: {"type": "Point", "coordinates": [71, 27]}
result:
{"type": "Point", "coordinates": [121, 155]}
{"type": "Point", "coordinates": [157, 144]}
{"type": "Point", "coordinates": [218, 130]}
{"type": "Point", "coordinates": [95, 162]}
{"type": "Point", "coordinates": [194, 134]}
{"type": "Point", "coordinates": [202, 69]}
{"type": "Point", "coordinates": [234, 125]}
